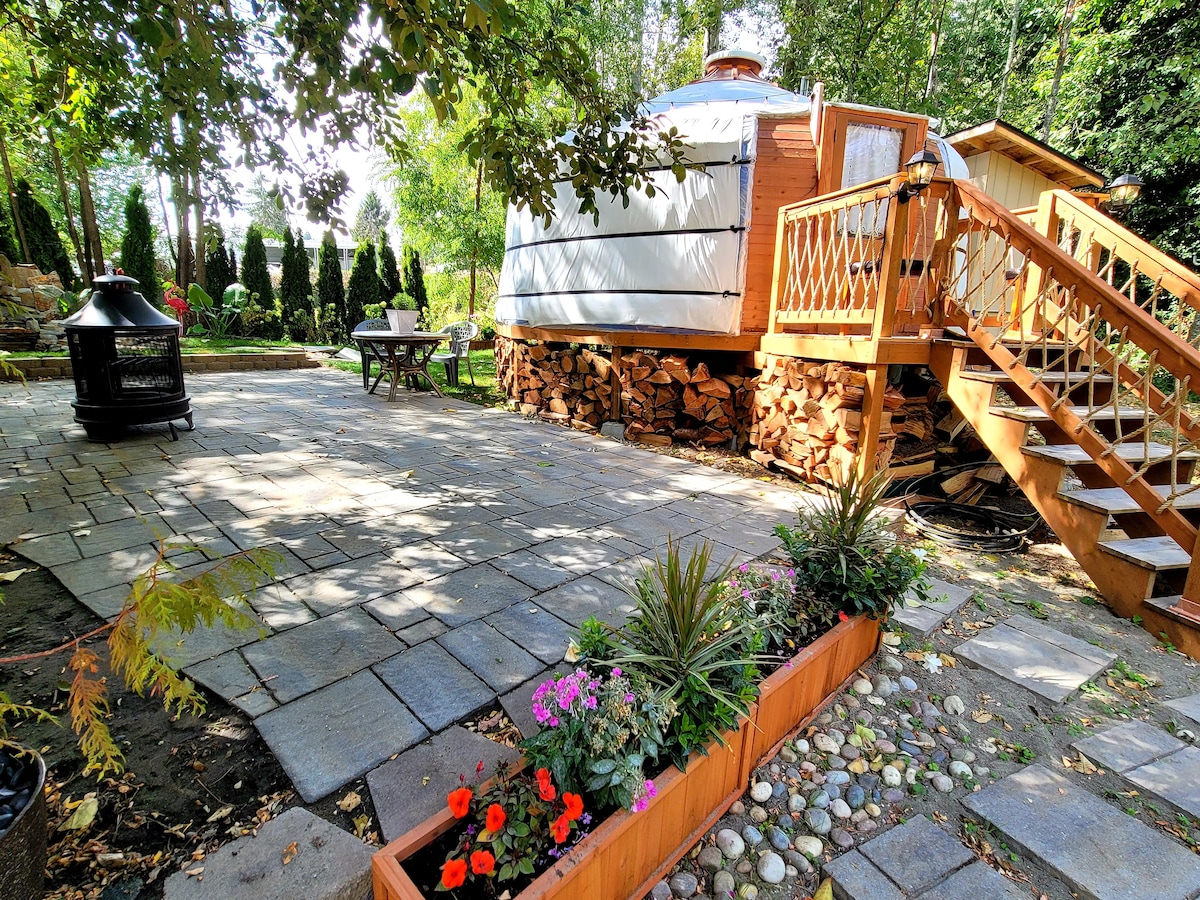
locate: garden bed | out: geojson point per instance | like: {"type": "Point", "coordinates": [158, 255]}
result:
{"type": "Point", "coordinates": [627, 853]}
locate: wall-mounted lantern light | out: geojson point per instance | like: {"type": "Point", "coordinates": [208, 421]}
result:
{"type": "Point", "coordinates": [920, 169]}
{"type": "Point", "coordinates": [1123, 193]}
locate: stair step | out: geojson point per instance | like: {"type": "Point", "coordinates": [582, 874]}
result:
{"type": "Point", "coordinates": [1037, 414]}
{"type": "Point", "coordinates": [1073, 454]}
{"type": "Point", "coordinates": [1176, 608]}
{"type": "Point", "coordinates": [1157, 553]}
{"type": "Point", "coordinates": [997, 377]}
{"type": "Point", "coordinates": [1116, 502]}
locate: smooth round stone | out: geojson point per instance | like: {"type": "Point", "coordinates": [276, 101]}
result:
{"type": "Point", "coordinates": [907, 683]}
{"type": "Point", "coordinates": [838, 737]}
{"type": "Point", "coordinates": [890, 664]}
{"type": "Point", "coordinates": [855, 797]}
{"type": "Point", "coordinates": [862, 687]}
{"type": "Point", "coordinates": [775, 769]}
{"type": "Point", "coordinates": [836, 762]}
{"type": "Point", "coordinates": [758, 814]}
{"type": "Point", "coordinates": [869, 782]}
{"type": "Point", "coordinates": [771, 868]}
{"type": "Point", "coordinates": [907, 734]}
{"type": "Point", "coordinates": [885, 746]}
{"type": "Point", "coordinates": [864, 717]}
{"type": "Point", "coordinates": [797, 862]}
{"type": "Point", "coordinates": [744, 867]}
{"type": "Point", "coordinates": [904, 720]}
{"type": "Point", "coordinates": [711, 859]}
{"type": "Point", "coordinates": [792, 773]}
{"type": "Point", "coordinates": [761, 792]}
{"type": "Point", "coordinates": [810, 846]}
{"type": "Point", "coordinates": [876, 701]}
{"type": "Point", "coordinates": [833, 791]}
{"type": "Point", "coordinates": [851, 702]}
{"type": "Point", "coordinates": [859, 816]}
{"type": "Point", "coordinates": [942, 783]}
{"type": "Point", "coordinates": [841, 838]}
{"type": "Point", "coordinates": [748, 892]}
{"type": "Point", "coordinates": [787, 754]}
{"type": "Point", "coordinates": [810, 786]}
{"type": "Point", "coordinates": [818, 821]}
{"type": "Point", "coordinates": [899, 764]}
{"type": "Point", "coordinates": [752, 836]}
{"type": "Point", "coordinates": [661, 891]}
{"type": "Point", "coordinates": [891, 776]}
{"type": "Point", "coordinates": [910, 748]}
{"type": "Point", "coordinates": [962, 754]}
{"type": "Point", "coordinates": [925, 740]}
{"type": "Point", "coordinates": [839, 808]}
{"type": "Point", "coordinates": [947, 741]}
{"type": "Point", "coordinates": [778, 790]}
{"type": "Point", "coordinates": [839, 711]}
{"type": "Point", "coordinates": [837, 778]}
{"type": "Point", "coordinates": [684, 885]}
{"type": "Point", "coordinates": [881, 686]}
{"type": "Point", "coordinates": [866, 826]}
{"type": "Point", "coordinates": [824, 743]}
{"type": "Point", "coordinates": [981, 771]}
{"type": "Point", "coordinates": [910, 776]}
{"type": "Point", "coordinates": [777, 838]}
{"type": "Point", "coordinates": [730, 843]}
{"type": "Point", "coordinates": [928, 709]}
{"type": "Point", "coordinates": [954, 705]}
{"type": "Point", "coordinates": [849, 751]}
{"type": "Point", "coordinates": [960, 769]}
{"type": "Point", "coordinates": [797, 803]}
{"type": "Point", "coordinates": [801, 746]}
{"type": "Point", "coordinates": [723, 884]}
{"type": "Point", "coordinates": [808, 766]}
{"type": "Point", "coordinates": [893, 795]}
{"type": "Point", "coordinates": [872, 810]}
{"type": "Point", "coordinates": [738, 808]}
{"type": "Point", "coordinates": [940, 757]}
{"type": "Point", "coordinates": [823, 719]}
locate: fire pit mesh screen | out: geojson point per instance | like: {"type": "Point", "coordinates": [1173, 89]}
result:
{"type": "Point", "coordinates": [144, 363]}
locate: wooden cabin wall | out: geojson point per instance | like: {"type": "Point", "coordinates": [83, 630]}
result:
{"type": "Point", "coordinates": [1009, 182]}
{"type": "Point", "coordinates": [785, 171]}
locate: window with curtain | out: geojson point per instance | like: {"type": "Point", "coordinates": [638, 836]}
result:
{"type": "Point", "coordinates": [872, 151]}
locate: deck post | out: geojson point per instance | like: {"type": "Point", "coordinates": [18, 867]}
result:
{"type": "Point", "coordinates": [872, 419]}
{"type": "Point", "coordinates": [614, 409]}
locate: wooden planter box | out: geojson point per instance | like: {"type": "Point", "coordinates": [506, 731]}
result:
{"type": "Point", "coordinates": [627, 853]}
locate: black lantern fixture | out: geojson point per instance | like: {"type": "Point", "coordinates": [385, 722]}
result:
{"type": "Point", "coordinates": [920, 169]}
{"type": "Point", "coordinates": [126, 361]}
{"type": "Point", "coordinates": [1123, 193]}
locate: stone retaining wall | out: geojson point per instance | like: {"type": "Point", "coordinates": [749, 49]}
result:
{"type": "Point", "coordinates": [37, 367]}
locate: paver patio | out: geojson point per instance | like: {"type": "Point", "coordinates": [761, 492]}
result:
{"type": "Point", "coordinates": [434, 553]}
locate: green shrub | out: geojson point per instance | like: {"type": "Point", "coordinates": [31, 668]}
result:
{"type": "Point", "coordinates": [844, 554]}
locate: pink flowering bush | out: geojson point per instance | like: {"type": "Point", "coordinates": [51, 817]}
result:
{"type": "Point", "coordinates": [788, 615]}
{"type": "Point", "coordinates": [598, 733]}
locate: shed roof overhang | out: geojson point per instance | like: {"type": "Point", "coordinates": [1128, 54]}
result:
{"type": "Point", "coordinates": [1000, 137]}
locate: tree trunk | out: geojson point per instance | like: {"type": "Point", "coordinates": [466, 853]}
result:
{"type": "Point", "coordinates": [1064, 44]}
{"type": "Point", "coordinates": [1012, 52]}
{"type": "Point", "coordinates": [201, 240]}
{"type": "Point", "coordinates": [475, 244]}
{"type": "Point", "coordinates": [935, 40]}
{"type": "Point", "coordinates": [162, 202]}
{"type": "Point", "coordinates": [12, 202]}
{"type": "Point", "coordinates": [65, 193]}
{"type": "Point", "coordinates": [87, 216]}
{"type": "Point", "coordinates": [183, 266]}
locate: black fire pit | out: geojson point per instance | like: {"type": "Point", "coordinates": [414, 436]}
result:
{"type": "Point", "coordinates": [126, 362]}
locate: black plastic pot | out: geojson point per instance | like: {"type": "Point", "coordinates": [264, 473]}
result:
{"type": "Point", "coordinates": [23, 843]}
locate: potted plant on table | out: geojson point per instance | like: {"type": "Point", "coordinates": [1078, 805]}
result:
{"type": "Point", "coordinates": [402, 315]}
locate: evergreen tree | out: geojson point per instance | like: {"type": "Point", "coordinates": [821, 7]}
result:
{"type": "Point", "coordinates": [233, 268]}
{"type": "Point", "coordinates": [389, 275]}
{"type": "Point", "coordinates": [218, 273]}
{"type": "Point", "coordinates": [290, 296]}
{"type": "Point", "coordinates": [372, 218]}
{"type": "Point", "coordinates": [414, 280]}
{"type": "Point", "coordinates": [331, 293]}
{"type": "Point", "coordinates": [254, 269]}
{"type": "Point", "coordinates": [364, 285]}
{"type": "Point", "coordinates": [8, 238]}
{"type": "Point", "coordinates": [45, 244]}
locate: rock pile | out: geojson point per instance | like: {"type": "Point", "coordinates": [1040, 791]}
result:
{"type": "Point", "coordinates": [33, 323]}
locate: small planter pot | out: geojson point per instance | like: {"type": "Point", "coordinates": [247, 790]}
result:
{"type": "Point", "coordinates": [487, 344]}
{"type": "Point", "coordinates": [402, 321]}
{"type": "Point", "coordinates": [628, 852]}
{"type": "Point", "coordinates": [23, 843]}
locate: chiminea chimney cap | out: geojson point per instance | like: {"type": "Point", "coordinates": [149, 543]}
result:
{"type": "Point", "coordinates": [115, 304]}
{"type": "Point", "coordinates": [115, 282]}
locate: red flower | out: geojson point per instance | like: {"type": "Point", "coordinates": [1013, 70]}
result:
{"type": "Point", "coordinates": [574, 806]}
{"type": "Point", "coordinates": [495, 817]}
{"type": "Point", "coordinates": [545, 787]}
{"type": "Point", "coordinates": [460, 802]}
{"type": "Point", "coordinates": [560, 829]}
{"type": "Point", "coordinates": [454, 873]}
{"type": "Point", "coordinates": [482, 862]}
{"type": "Point", "coordinates": [842, 617]}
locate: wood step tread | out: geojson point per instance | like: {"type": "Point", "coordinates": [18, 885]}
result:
{"type": "Point", "coordinates": [1077, 378]}
{"type": "Point", "coordinates": [1037, 414]}
{"type": "Point", "coordinates": [1115, 501]}
{"type": "Point", "coordinates": [1176, 608]}
{"type": "Point", "coordinates": [1157, 553]}
{"type": "Point", "coordinates": [1073, 454]}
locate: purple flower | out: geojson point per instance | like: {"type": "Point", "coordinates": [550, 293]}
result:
{"type": "Point", "coordinates": [586, 819]}
{"type": "Point", "coordinates": [774, 576]}
{"type": "Point", "coordinates": [470, 829]}
{"type": "Point", "coordinates": [590, 702]}
{"type": "Point", "coordinates": [746, 594]}
{"type": "Point", "coordinates": [629, 698]}
{"type": "Point", "coordinates": [616, 672]}
{"type": "Point", "coordinates": [743, 568]}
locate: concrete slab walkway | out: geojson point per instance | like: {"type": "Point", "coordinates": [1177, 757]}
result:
{"type": "Point", "coordinates": [434, 553]}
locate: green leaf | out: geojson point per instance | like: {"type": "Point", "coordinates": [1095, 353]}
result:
{"type": "Point", "coordinates": [604, 766]}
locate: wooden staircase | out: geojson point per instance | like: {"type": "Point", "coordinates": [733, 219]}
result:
{"type": "Point", "coordinates": [1079, 390]}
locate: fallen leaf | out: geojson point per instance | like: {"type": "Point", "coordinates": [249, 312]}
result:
{"type": "Point", "coordinates": [981, 717]}
{"type": "Point", "coordinates": [948, 660]}
{"type": "Point", "coordinates": [409, 474]}
{"type": "Point", "coordinates": [350, 802]}
{"type": "Point", "coordinates": [196, 871]}
{"type": "Point", "coordinates": [361, 824]}
{"type": "Point", "coordinates": [825, 891]}
{"type": "Point", "coordinates": [220, 814]}
{"type": "Point", "coordinates": [14, 574]}
{"type": "Point", "coordinates": [290, 852]}
{"type": "Point", "coordinates": [83, 815]}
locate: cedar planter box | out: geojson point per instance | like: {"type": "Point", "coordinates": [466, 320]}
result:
{"type": "Point", "coordinates": [487, 344]}
{"type": "Point", "coordinates": [628, 852]}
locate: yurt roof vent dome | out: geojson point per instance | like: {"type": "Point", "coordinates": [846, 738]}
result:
{"type": "Point", "coordinates": [729, 64]}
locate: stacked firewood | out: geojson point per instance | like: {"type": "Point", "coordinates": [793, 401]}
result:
{"type": "Point", "coordinates": [663, 398]}
{"type": "Point", "coordinates": [808, 416]}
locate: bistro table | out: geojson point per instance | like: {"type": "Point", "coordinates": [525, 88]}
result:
{"type": "Point", "coordinates": [401, 356]}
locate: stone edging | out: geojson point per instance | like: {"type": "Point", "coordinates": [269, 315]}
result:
{"type": "Point", "coordinates": [39, 367]}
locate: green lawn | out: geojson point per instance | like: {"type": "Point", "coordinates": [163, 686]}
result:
{"type": "Point", "coordinates": [197, 345]}
{"type": "Point", "coordinates": [485, 391]}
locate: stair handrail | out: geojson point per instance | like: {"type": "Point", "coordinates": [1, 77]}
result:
{"type": "Point", "coordinates": [1054, 300]}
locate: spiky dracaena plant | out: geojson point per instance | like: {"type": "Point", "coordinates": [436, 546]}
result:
{"type": "Point", "coordinates": [694, 643]}
{"type": "Point", "coordinates": [156, 613]}
{"type": "Point", "coordinates": [844, 553]}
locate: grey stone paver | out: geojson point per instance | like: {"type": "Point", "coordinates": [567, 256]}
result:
{"type": "Point", "coordinates": [578, 600]}
{"type": "Point", "coordinates": [490, 655]}
{"type": "Point", "coordinates": [300, 660]}
{"type": "Point", "coordinates": [1187, 706]}
{"type": "Point", "coordinates": [1127, 746]}
{"type": "Point", "coordinates": [226, 675]}
{"type": "Point", "coordinates": [338, 733]}
{"type": "Point", "coordinates": [413, 786]}
{"type": "Point", "coordinates": [978, 881]}
{"type": "Point", "coordinates": [1099, 851]}
{"type": "Point", "coordinates": [327, 863]}
{"type": "Point", "coordinates": [1175, 778]}
{"type": "Point", "coordinates": [531, 569]}
{"type": "Point", "coordinates": [330, 590]}
{"type": "Point", "coordinates": [1018, 651]}
{"type": "Point", "coordinates": [518, 704]}
{"type": "Point", "coordinates": [434, 685]}
{"type": "Point", "coordinates": [856, 878]}
{"type": "Point", "coordinates": [425, 630]}
{"type": "Point", "coordinates": [894, 854]}
{"type": "Point", "coordinates": [536, 631]}
{"type": "Point", "coordinates": [468, 594]}
{"type": "Point", "coordinates": [479, 543]}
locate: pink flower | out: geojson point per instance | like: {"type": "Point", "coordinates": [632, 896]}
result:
{"type": "Point", "coordinates": [629, 698]}
{"type": "Point", "coordinates": [616, 672]}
